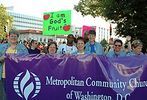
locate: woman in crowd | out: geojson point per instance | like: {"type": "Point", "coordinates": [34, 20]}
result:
{"type": "Point", "coordinates": [80, 46]}
{"type": "Point", "coordinates": [136, 46]}
{"type": "Point", "coordinates": [12, 47]}
{"type": "Point", "coordinates": [52, 48]}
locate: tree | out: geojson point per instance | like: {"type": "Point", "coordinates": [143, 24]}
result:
{"type": "Point", "coordinates": [129, 15]}
{"type": "Point", "coordinates": [104, 43]}
{"type": "Point", "coordinates": [5, 22]}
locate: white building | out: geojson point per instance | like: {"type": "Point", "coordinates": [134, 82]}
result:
{"type": "Point", "coordinates": [25, 22]}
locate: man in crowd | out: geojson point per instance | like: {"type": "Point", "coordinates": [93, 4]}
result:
{"type": "Point", "coordinates": [68, 48]}
{"type": "Point", "coordinates": [93, 47]}
{"type": "Point", "coordinates": [117, 50]}
{"type": "Point", "coordinates": [33, 49]}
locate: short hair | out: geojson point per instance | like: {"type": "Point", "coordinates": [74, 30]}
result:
{"type": "Point", "coordinates": [118, 40]}
{"type": "Point", "coordinates": [136, 43]}
{"type": "Point", "coordinates": [92, 32]}
{"type": "Point", "coordinates": [32, 41]}
{"type": "Point", "coordinates": [14, 31]}
{"type": "Point", "coordinates": [81, 38]}
{"type": "Point", "coordinates": [50, 43]}
{"type": "Point", "coordinates": [70, 36]}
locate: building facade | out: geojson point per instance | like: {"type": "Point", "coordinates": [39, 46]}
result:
{"type": "Point", "coordinates": [24, 22]}
{"type": "Point", "coordinates": [29, 27]}
{"type": "Point", "coordinates": [103, 33]}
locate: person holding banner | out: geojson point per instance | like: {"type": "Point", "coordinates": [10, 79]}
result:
{"type": "Point", "coordinates": [52, 48]}
{"type": "Point", "coordinates": [136, 46]}
{"type": "Point", "coordinates": [117, 50]}
{"type": "Point", "coordinates": [12, 47]}
{"type": "Point", "coordinates": [68, 48]}
{"type": "Point", "coordinates": [80, 46]}
{"type": "Point", "coordinates": [93, 47]}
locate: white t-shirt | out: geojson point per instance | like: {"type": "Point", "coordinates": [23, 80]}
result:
{"type": "Point", "coordinates": [65, 49]}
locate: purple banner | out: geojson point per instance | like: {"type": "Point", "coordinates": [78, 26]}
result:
{"type": "Point", "coordinates": [84, 77]}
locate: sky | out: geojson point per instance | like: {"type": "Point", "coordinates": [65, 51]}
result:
{"type": "Point", "coordinates": [38, 7]}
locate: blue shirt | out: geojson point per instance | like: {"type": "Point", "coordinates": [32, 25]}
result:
{"type": "Point", "coordinates": [20, 48]}
{"type": "Point", "coordinates": [95, 48]}
{"type": "Point", "coordinates": [92, 48]}
{"type": "Point", "coordinates": [134, 54]}
{"type": "Point", "coordinates": [113, 54]}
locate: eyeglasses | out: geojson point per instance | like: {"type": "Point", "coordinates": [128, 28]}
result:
{"type": "Point", "coordinates": [118, 45]}
{"type": "Point", "coordinates": [14, 37]}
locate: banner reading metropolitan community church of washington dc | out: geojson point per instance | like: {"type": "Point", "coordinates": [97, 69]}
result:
{"type": "Point", "coordinates": [84, 77]}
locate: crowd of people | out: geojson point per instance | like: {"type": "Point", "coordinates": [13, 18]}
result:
{"type": "Point", "coordinates": [74, 46]}
{"type": "Point", "coordinates": [71, 47]}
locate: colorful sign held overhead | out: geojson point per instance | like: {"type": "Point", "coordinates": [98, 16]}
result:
{"type": "Point", "coordinates": [57, 23]}
{"type": "Point", "coordinates": [85, 29]}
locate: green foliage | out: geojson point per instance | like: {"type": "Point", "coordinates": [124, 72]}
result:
{"type": "Point", "coordinates": [129, 15]}
{"type": "Point", "coordinates": [104, 43]}
{"type": "Point", "coordinates": [5, 21]}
